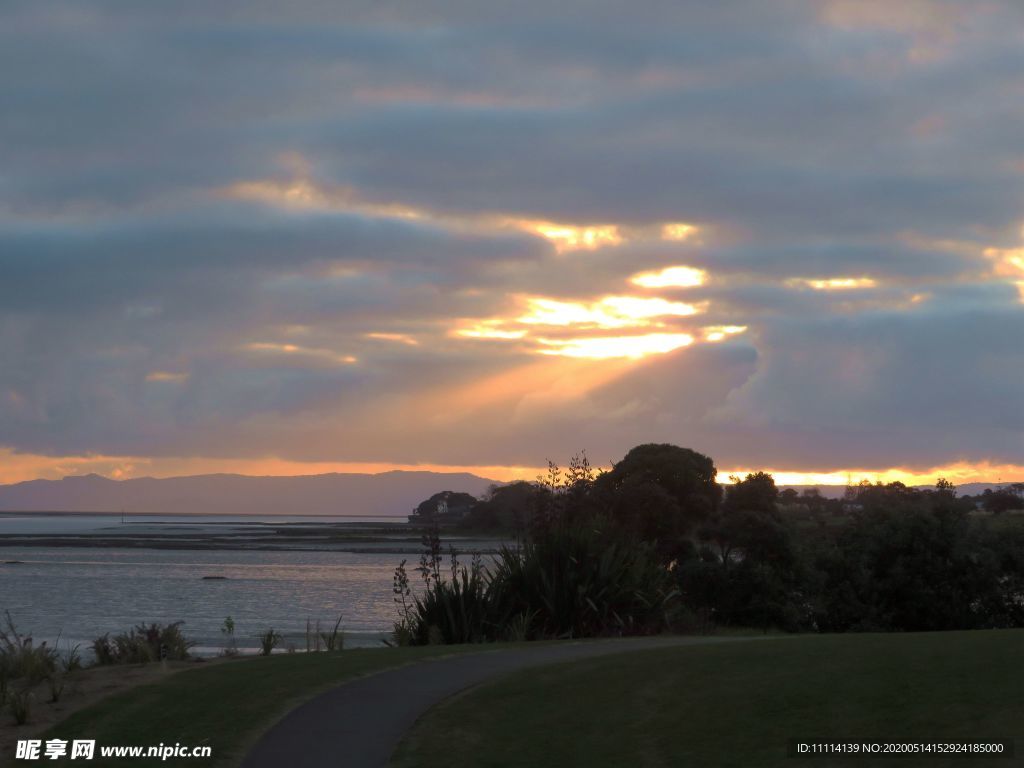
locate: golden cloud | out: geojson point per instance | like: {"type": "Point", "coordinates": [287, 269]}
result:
{"type": "Point", "coordinates": [670, 277]}
{"type": "Point", "coordinates": [832, 283]}
{"type": "Point", "coordinates": [608, 312]}
{"type": "Point", "coordinates": [607, 347]}
{"type": "Point", "coordinates": [571, 237]}
{"type": "Point", "coordinates": [677, 230]}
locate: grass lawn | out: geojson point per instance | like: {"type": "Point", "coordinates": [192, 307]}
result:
{"type": "Point", "coordinates": [227, 705]}
{"type": "Point", "coordinates": [738, 704]}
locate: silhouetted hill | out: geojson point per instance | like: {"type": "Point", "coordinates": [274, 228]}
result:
{"type": "Point", "coordinates": [387, 493]}
{"type": "Point", "coordinates": [837, 491]}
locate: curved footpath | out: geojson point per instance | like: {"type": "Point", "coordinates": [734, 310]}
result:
{"type": "Point", "coordinates": [359, 723]}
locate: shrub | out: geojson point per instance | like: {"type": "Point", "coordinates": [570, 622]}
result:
{"type": "Point", "coordinates": [142, 644]}
{"type": "Point", "coordinates": [455, 610]}
{"type": "Point", "coordinates": [567, 581]}
{"type": "Point", "coordinates": [228, 630]}
{"type": "Point", "coordinates": [268, 640]}
{"type": "Point", "coordinates": [518, 628]}
{"type": "Point", "coordinates": [20, 704]}
{"type": "Point", "coordinates": [55, 682]}
{"type": "Point", "coordinates": [401, 635]}
{"type": "Point", "coordinates": [576, 582]}
{"type": "Point", "coordinates": [20, 658]}
{"type": "Point", "coordinates": [72, 660]}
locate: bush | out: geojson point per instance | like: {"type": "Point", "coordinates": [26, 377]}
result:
{"type": "Point", "coordinates": [269, 640]}
{"type": "Point", "coordinates": [575, 582]}
{"type": "Point", "coordinates": [55, 683]}
{"type": "Point", "coordinates": [143, 644]}
{"type": "Point", "coordinates": [568, 581]}
{"type": "Point", "coordinates": [454, 610]}
{"type": "Point", "coordinates": [72, 660]}
{"type": "Point", "coordinates": [20, 704]}
{"type": "Point", "coordinates": [20, 658]}
{"type": "Point", "coordinates": [230, 644]}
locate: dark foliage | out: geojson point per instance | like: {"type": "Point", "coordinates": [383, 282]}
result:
{"type": "Point", "coordinates": [143, 643]}
{"type": "Point", "coordinates": [655, 538]}
{"type": "Point", "coordinates": [575, 581]}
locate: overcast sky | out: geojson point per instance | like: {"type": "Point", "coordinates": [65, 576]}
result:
{"type": "Point", "coordinates": [288, 237]}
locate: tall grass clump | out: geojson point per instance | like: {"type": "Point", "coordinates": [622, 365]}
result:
{"type": "Point", "coordinates": [142, 644]}
{"type": "Point", "coordinates": [55, 683]}
{"type": "Point", "coordinates": [20, 658]}
{"type": "Point", "coordinates": [72, 660]}
{"type": "Point", "coordinates": [20, 705]}
{"type": "Point", "coordinates": [321, 640]}
{"type": "Point", "coordinates": [335, 639]}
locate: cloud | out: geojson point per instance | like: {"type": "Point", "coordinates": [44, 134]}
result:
{"type": "Point", "coordinates": [928, 383]}
{"type": "Point", "coordinates": [452, 233]}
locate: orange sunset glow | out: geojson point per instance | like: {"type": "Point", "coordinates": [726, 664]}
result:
{"type": "Point", "coordinates": [16, 468]}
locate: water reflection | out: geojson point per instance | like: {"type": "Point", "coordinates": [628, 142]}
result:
{"type": "Point", "coordinates": [82, 593]}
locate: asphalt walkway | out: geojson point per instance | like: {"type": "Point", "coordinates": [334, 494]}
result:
{"type": "Point", "coordinates": [359, 723]}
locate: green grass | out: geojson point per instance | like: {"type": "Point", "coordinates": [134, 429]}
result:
{"type": "Point", "coordinates": [227, 705]}
{"type": "Point", "coordinates": [737, 704]}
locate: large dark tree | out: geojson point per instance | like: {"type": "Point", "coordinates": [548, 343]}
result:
{"type": "Point", "coordinates": [754, 493]}
{"type": "Point", "coordinates": [908, 568]}
{"type": "Point", "coordinates": [749, 564]}
{"type": "Point", "coordinates": [1000, 500]}
{"type": "Point", "coordinates": [507, 507]}
{"type": "Point", "coordinates": [458, 503]}
{"type": "Point", "coordinates": [687, 477]}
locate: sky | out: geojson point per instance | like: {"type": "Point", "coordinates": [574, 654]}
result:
{"type": "Point", "coordinates": [290, 238]}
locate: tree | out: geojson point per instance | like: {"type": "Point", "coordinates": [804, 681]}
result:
{"type": "Point", "coordinates": [687, 477]}
{"type": "Point", "coordinates": [789, 496]}
{"type": "Point", "coordinates": [456, 503]}
{"type": "Point", "coordinates": [891, 496]}
{"type": "Point", "coordinates": [748, 572]}
{"type": "Point", "coordinates": [910, 568]}
{"type": "Point", "coordinates": [506, 507]}
{"type": "Point", "coordinates": [644, 510]}
{"type": "Point", "coordinates": [755, 493]}
{"type": "Point", "coordinates": [1000, 500]}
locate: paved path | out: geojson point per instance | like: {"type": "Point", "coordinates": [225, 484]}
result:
{"type": "Point", "coordinates": [359, 723]}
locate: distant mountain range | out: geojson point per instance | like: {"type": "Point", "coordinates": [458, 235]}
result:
{"type": "Point", "coordinates": [388, 493]}
{"type": "Point", "coordinates": [837, 491]}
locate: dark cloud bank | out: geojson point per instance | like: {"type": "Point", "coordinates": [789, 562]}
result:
{"type": "Point", "coordinates": [145, 308]}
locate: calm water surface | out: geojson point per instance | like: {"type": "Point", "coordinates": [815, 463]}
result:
{"type": "Point", "coordinates": [82, 593]}
{"type": "Point", "coordinates": [79, 524]}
